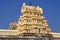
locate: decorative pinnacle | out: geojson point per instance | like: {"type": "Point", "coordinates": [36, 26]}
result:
{"type": "Point", "coordinates": [37, 6]}
{"type": "Point", "coordinates": [24, 4]}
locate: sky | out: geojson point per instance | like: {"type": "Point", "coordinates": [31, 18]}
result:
{"type": "Point", "coordinates": [10, 10]}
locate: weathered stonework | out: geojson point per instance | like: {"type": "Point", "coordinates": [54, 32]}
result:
{"type": "Point", "coordinates": [31, 26]}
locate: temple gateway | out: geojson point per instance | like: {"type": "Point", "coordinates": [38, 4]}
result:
{"type": "Point", "coordinates": [30, 26]}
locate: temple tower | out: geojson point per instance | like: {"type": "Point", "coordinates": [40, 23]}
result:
{"type": "Point", "coordinates": [32, 20]}
{"type": "Point", "coordinates": [13, 26]}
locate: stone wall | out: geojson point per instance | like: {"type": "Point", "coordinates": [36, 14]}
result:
{"type": "Point", "coordinates": [56, 38]}
{"type": "Point", "coordinates": [29, 37]}
{"type": "Point", "coordinates": [26, 38]}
